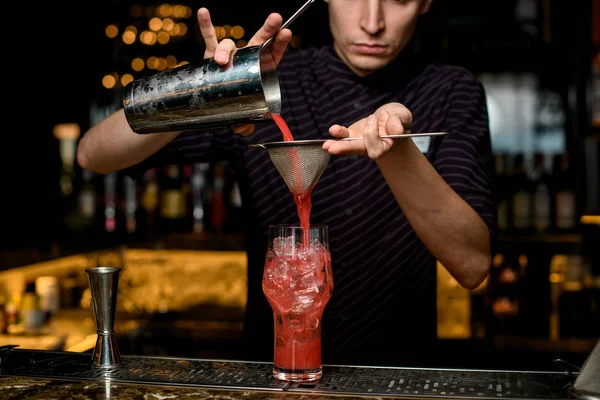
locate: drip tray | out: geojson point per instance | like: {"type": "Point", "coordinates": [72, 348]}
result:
{"type": "Point", "coordinates": [340, 380]}
{"type": "Point", "coordinates": [144, 370]}
{"type": "Point", "coordinates": [444, 383]}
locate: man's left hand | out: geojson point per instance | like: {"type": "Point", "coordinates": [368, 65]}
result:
{"type": "Point", "coordinates": [389, 119]}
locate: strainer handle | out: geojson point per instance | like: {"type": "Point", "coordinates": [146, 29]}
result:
{"type": "Point", "coordinates": [404, 136]}
{"type": "Point", "coordinates": [289, 21]}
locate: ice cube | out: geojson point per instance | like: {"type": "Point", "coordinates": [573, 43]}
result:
{"type": "Point", "coordinates": [280, 341]}
{"type": "Point", "coordinates": [295, 325]}
{"type": "Point", "coordinates": [279, 245]}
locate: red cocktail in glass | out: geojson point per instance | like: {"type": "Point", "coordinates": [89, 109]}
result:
{"type": "Point", "coordinates": [298, 283]}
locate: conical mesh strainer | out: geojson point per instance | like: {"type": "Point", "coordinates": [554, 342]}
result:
{"type": "Point", "coordinates": [302, 162]}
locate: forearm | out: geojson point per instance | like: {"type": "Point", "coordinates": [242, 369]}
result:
{"type": "Point", "coordinates": [448, 226]}
{"type": "Point", "coordinates": [112, 145]}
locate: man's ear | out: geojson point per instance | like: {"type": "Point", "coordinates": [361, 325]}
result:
{"type": "Point", "coordinates": [424, 7]}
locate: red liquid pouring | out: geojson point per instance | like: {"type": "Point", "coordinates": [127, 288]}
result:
{"type": "Point", "coordinates": [303, 201]}
{"type": "Point", "coordinates": [298, 333]}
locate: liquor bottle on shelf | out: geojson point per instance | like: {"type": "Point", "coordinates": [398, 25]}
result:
{"type": "Point", "coordinates": [131, 204]}
{"type": "Point", "coordinates": [110, 202]}
{"type": "Point", "coordinates": [234, 221]}
{"type": "Point", "coordinates": [503, 294]}
{"type": "Point", "coordinates": [565, 215]}
{"type": "Point", "coordinates": [149, 200]}
{"type": "Point", "coordinates": [596, 87]}
{"type": "Point", "coordinates": [522, 197]}
{"type": "Point", "coordinates": [502, 193]}
{"type": "Point", "coordinates": [217, 201]}
{"type": "Point", "coordinates": [198, 184]}
{"type": "Point", "coordinates": [542, 197]}
{"type": "Point", "coordinates": [172, 202]}
{"type": "Point", "coordinates": [87, 200]}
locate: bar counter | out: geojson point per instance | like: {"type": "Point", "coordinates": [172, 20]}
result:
{"type": "Point", "coordinates": [39, 374]}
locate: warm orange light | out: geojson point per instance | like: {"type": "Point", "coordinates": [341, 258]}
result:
{"type": "Point", "coordinates": [128, 37]}
{"type": "Point", "coordinates": [155, 23]}
{"type": "Point", "coordinates": [171, 61]}
{"type": "Point", "coordinates": [590, 219]}
{"type": "Point", "coordinates": [168, 24]}
{"type": "Point", "coordinates": [237, 32]}
{"type": "Point", "coordinates": [163, 37]}
{"type": "Point", "coordinates": [109, 81]}
{"type": "Point", "coordinates": [126, 78]}
{"type": "Point", "coordinates": [131, 28]}
{"type": "Point", "coordinates": [152, 62]}
{"type": "Point", "coordinates": [220, 32]}
{"type": "Point", "coordinates": [188, 12]}
{"type": "Point", "coordinates": [178, 11]}
{"type": "Point", "coordinates": [241, 43]}
{"type": "Point", "coordinates": [65, 131]}
{"type": "Point", "coordinates": [227, 29]}
{"type": "Point", "coordinates": [111, 31]}
{"type": "Point", "coordinates": [148, 37]}
{"type": "Point", "coordinates": [182, 28]}
{"type": "Point", "coordinates": [162, 64]}
{"type": "Point", "coordinates": [137, 64]}
{"type": "Point", "coordinates": [165, 10]}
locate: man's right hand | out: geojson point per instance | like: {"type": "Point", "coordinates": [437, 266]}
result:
{"type": "Point", "coordinates": [223, 51]}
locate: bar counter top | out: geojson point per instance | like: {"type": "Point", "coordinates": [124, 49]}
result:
{"type": "Point", "coordinates": [40, 374]}
{"type": "Point", "coordinates": [13, 388]}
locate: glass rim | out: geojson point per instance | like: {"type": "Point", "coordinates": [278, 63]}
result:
{"type": "Point", "coordinates": [297, 226]}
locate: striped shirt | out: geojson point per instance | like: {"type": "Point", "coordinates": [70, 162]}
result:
{"type": "Point", "coordinates": [384, 299]}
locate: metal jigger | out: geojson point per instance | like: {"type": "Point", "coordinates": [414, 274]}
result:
{"type": "Point", "coordinates": [104, 283]}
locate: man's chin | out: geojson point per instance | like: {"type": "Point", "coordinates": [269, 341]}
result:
{"type": "Point", "coordinates": [368, 64]}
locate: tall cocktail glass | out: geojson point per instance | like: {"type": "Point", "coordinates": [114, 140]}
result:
{"type": "Point", "coordinates": [298, 283]}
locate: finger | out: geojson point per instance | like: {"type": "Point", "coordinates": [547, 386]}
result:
{"type": "Point", "coordinates": [279, 44]}
{"type": "Point", "coordinates": [339, 131]}
{"type": "Point", "coordinates": [374, 145]}
{"type": "Point", "coordinates": [345, 147]}
{"type": "Point", "coordinates": [268, 30]}
{"type": "Point", "coordinates": [208, 32]}
{"type": "Point", "coordinates": [244, 130]}
{"type": "Point", "coordinates": [394, 125]}
{"type": "Point", "coordinates": [224, 50]}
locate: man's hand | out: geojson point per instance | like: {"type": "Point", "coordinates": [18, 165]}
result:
{"type": "Point", "coordinates": [223, 51]}
{"type": "Point", "coordinates": [389, 119]}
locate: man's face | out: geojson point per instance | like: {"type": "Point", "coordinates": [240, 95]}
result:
{"type": "Point", "coordinates": [369, 34]}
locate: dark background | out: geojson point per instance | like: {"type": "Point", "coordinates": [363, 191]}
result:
{"type": "Point", "coordinates": [55, 54]}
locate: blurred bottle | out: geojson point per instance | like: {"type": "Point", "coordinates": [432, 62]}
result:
{"type": "Point", "coordinates": [542, 198]}
{"type": "Point", "coordinates": [217, 200]}
{"type": "Point", "coordinates": [32, 315]}
{"type": "Point", "coordinates": [48, 290]}
{"type": "Point", "coordinates": [565, 217]}
{"type": "Point", "coordinates": [198, 184]}
{"type": "Point", "coordinates": [522, 197]}
{"type": "Point", "coordinates": [502, 192]}
{"type": "Point", "coordinates": [172, 201]}
{"type": "Point", "coordinates": [149, 199]}
{"type": "Point", "coordinates": [234, 221]}
{"type": "Point", "coordinates": [596, 87]}
{"type": "Point", "coordinates": [110, 202]}
{"type": "Point", "coordinates": [131, 204]}
{"type": "Point", "coordinates": [87, 201]}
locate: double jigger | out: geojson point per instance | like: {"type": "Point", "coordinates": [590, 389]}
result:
{"type": "Point", "coordinates": [104, 285]}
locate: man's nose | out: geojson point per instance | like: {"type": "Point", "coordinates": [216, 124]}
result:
{"type": "Point", "coordinates": [372, 20]}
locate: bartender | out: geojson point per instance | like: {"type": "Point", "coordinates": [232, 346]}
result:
{"type": "Point", "coordinates": [392, 208]}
